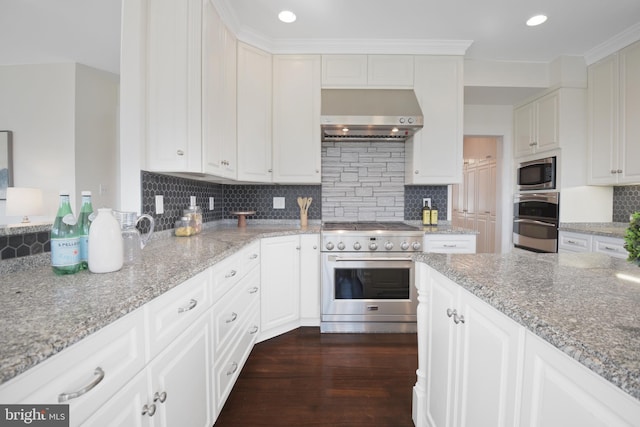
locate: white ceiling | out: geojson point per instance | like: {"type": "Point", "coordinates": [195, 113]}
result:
{"type": "Point", "coordinates": [88, 31]}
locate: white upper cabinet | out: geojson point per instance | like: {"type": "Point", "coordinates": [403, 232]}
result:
{"type": "Point", "coordinates": [174, 130]}
{"type": "Point", "coordinates": [254, 114]}
{"type": "Point", "coordinates": [367, 71]}
{"type": "Point", "coordinates": [614, 108]}
{"type": "Point", "coordinates": [218, 95]}
{"type": "Point", "coordinates": [434, 154]}
{"type": "Point", "coordinates": [296, 119]}
{"type": "Point", "coordinates": [536, 125]}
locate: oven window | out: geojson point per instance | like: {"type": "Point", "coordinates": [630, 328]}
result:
{"type": "Point", "coordinates": [536, 209]}
{"type": "Point", "coordinates": [371, 283]}
{"type": "Point", "coordinates": [536, 231]}
{"type": "Point", "coordinates": [531, 175]}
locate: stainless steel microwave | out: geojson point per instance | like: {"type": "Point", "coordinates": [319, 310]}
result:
{"type": "Point", "coordinates": [537, 175]}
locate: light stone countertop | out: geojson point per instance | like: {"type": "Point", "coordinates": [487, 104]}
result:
{"type": "Point", "coordinates": [577, 302]}
{"type": "Point", "coordinates": [41, 313]}
{"type": "Point", "coordinates": [607, 229]}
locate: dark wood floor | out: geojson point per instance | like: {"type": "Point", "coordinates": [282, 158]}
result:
{"type": "Point", "coordinates": [304, 378]}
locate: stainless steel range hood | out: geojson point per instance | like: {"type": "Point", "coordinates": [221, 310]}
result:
{"type": "Point", "coordinates": [369, 114]}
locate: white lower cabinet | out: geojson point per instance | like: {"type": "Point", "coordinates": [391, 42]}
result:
{"type": "Point", "coordinates": [174, 389]}
{"type": "Point", "coordinates": [477, 367]}
{"type": "Point", "coordinates": [560, 392]}
{"type": "Point", "coordinates": [468, 358]}
{"type": "Point", "coordinates": [85, 375]}
{"type": "Point", "coordinates": [280, 274]}
{"type": "Point", "coordinates": [582, 242]}
{"type": "Point", "coordinates": [449, 243]}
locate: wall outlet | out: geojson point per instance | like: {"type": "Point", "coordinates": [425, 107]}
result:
{"type": "Point", "coordinates": [426, 202]}
{"type": "Point", "coordinates": [211, 203]}
{"type": "Point", "coordinates": [278, 203]}
{"type": "Point", "coordinates": [159, 204]}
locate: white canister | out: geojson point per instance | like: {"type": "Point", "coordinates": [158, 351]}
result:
{"type": "Point", "coordinates": [105, 243]}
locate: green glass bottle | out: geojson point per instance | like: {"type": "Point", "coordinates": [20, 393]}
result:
{"type": "Point", "coordinates": [84, 222]}
{"type": "Point", "coordinates": [65, 244]}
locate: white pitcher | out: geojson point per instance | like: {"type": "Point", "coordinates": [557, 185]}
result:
{"type": "Point", "coordinates": [105, 243]}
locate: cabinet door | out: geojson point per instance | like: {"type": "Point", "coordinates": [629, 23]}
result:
{"type": "Point", "coordinates": [524, 128]}
{"type": "Point", "coordinates": [603, 118]}
{"type": "Point", "coordinates": [441, 350]}
{"type": "Point", "coordinates": [183, 372]}
{"type": "Point", "coordinates": [629, 143]}
{"type": "Point", "coordinates": [174, 86]}
{"type": "Point", "coordinates": [547, 118]}
{"type": "Point", "coordinates": [310, 279]}
{"type": "Point", "coordinates": [344, 70]}
{"type": "Point", "coordinates": [254, 114]}
{"type": "Point", "coordinates": [558, 391]}
{"type": "Point", "coordinates": [280, 277]}
{"type": "Point", "coordinates": [609, 246]}
{"type": "Point", "coordinates": [296, 119]}
{"type": "Point", "coordinates": [434, 154]}
{"type": "Point", "coordinates": [125, 409]}
{"type": "Point", "coordinates": [487, 373]}
{"type": "Point", "coordinates": [390, 70]}
{"type": "Point", "coordinates": [218, 95]}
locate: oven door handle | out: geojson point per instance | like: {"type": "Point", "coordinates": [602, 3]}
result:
{"type": "Point", "coordinates": [533, 221]}
{"type": "Point", "coordinates": [335, 258]}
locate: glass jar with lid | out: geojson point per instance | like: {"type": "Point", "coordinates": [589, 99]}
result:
{"type": "Point", "coordinates": [194, 213]}
{"type": "Point", "coordinates": [185, 227]}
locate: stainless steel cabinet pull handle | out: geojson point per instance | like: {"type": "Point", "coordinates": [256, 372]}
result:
{"type": "Point", "coordinates": [449, 246]}
{"type": "Point", "coordinates": [315, 247]}
{"type": "Point", "coordinates": [160, 396]}
{"type": "Point", "coordinates": [450, 312]}
{"type": "Point", "coordinates": [234, 368]}
{"type": "Point", "coordinates": [253, 256]}
{"type": "Point", "coordinates": [573, 242]}
{"type": "Point", "coordinates": [180, 153]}
{"type": "Point", "coordinates": [253, 290]}
{"type": "Point", "coordinates": [458, 319]}
{"type": "Point", "coordinates": [99, 374]}
{"type": "Point", "coordinates": [191, 306]}
{"type": "Point", "coordinates": [253, 330]}
{"type": "Point", "coordinates": [231, 274]}
{"type": "Point", "coordinates": [234, 316]}
{"type": "Point", "coordinates": [609, 248]}
{"type": "Point", "coordinates": [297, 248]}
{"type": "Point", "coordinates": [149, 410]}
{"type": "Point", "coordinates": [619, 171]}
{"type": "Point", "coordinates": [613, 171]}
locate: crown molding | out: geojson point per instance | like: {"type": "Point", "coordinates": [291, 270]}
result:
{"type": "Point", "coordinates": [614, 44]}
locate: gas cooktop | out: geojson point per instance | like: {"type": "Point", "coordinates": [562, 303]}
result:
{"type": "Point", "coordinates": [367, 226]}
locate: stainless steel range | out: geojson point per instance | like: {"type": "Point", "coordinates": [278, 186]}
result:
{"type": "Point", "coordinates": [368, 277]}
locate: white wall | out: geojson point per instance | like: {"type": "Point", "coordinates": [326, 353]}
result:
{"type": "Point", "coordinates": [52, 109]}
{"type": "Point", "coordinates": [497, 120]}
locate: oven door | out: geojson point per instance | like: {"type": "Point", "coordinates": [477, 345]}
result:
{"type": "Point", "coordinates": [535, 221]}
{"type": "Point", "coordinates": [368, 287]}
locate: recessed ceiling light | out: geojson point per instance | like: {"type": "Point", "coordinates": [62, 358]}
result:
{"type": "Point", "coordinates": [536, 20]}
{"type": "Point", "coordinates": [287, 16]}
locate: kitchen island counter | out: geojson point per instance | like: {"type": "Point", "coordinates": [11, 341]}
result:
{"type": "Point", "coordinates": [586, 305]}
{"type": "Point", "coordinates": [607, 229]}
{"type": "Point", "coordinates": [41, 314]}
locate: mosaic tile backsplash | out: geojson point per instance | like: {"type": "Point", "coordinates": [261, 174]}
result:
{"type": "Point", "coordinates": [20, 245]}
{"type": "Point", "coordinates": [626, 200]}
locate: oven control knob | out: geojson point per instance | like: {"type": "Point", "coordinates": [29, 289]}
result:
{"type": "Point", "coordinates": [416, 246]}
{"type": "Point", "coordinates": [404, 246]}
{"type": "Point", "coordinates": [373, 246]}
{"type": "Point", "coordinates": [329, 245]}
{"type": "Point", "coordinates": [388, 246]}
{"type": "Point", "coordinates": [357, 246]}
{"type": "Point", "coordinates": [341, 246]}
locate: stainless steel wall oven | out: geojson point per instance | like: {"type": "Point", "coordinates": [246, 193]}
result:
{"type": "Point", "coordinates": [368, 277]}
{"type": "Point", "coordinates": [535, 221]}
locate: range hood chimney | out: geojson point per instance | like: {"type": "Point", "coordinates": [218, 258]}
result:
{"type": "Point", "coordinates": [369, 114]}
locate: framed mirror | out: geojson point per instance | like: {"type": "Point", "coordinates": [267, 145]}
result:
{"type": "Point", "coordinates": [6, 164]}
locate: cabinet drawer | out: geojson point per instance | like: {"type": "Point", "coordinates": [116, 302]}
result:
{"type": "Point", "coordinates": [573, 242]}
{"type": "Point", "coordinates": [170, 314]}
{"type": "Point", "coordinates": [453, 244]}
{"type": "Point", "coordinates": [610, 246]}
{"type": "Point", "coordinates": [233, 310]}
{"type": "Point", "coordinates": [227, 370]}
{"type": "Point", "coordinates": [100, 365]}
{"type": "Point", "coordinates": [229, 271]}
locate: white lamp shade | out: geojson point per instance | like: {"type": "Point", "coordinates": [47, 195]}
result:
{"type": "Point", "coordinates": [23, 202]}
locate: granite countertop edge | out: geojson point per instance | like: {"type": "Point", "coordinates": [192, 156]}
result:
{"type": "Point", "coordinates": [141, 284]}
{"type": "Point", "coordinates": [606, 229]}
{"type": "Point", "coordinates": [595, 360]}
